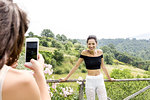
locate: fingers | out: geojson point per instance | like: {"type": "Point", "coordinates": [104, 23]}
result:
{"type": "Point", "coordinates": [34, 62]}
{"type": "Point", "coordinates": [112, 79]}
{"type": "Point", "coordinates": [40, 58]}
{"type": "Point", "coordinates": [36, 65]}
{"type": "Point", "coordinates": [62, 79]}
{"type": "Point", "coordinates": [30, 67]}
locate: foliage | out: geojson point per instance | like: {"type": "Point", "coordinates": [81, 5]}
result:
{"type": "Point", "coordinates": [110, 52]}
{"type": "Point", "coordinates": [68, 45]}
{"type": "Point", "coordinates": [115, 90]}
{"type": "Point", "coordinates": [58, 56]}
{"type": "Point", "coordinates": [61, 37]}
{"type": "Point", "coordinates": [58, 37]}
{"type": "Point", "coordinates": [47, 56]}
{"type": "Point", "coordinates": [116, 51]}
{"type": "Point", "coordinates": [56, 44]}
{"type": "Point", "coordinates": [116, 62]}
{"type": "Point", "coordinates": [58, 91]}
{"type": "Point", "coordinates": [44, 43]}
{"type": "Point", "coordinates": [74, 41]}
{"type": "Point", "coordinates": [31, 34]}
{"type": "Point", "coordinates": [121, 90]}
{"type": "Point", "coordinates": [108, 58]}
{"type": "Point", "coordinates": [77, 46]}
{"type": "Point", "coordinates": [137, 48]}
{"type": "Point", "coordinates": [121, 74]}
{"type": "Point", "coordinates": [47, 33]}
{"type": "Point", "coordinates": [149, 68]}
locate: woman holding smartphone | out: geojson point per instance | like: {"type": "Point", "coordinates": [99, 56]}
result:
{"type": "Point", "coordinates": [94, 61]}
{"type": "Point", "coordinates": [16, 84]}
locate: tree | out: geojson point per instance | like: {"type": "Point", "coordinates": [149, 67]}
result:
{"type": "Point", "coordinates": [106, 49]}
{"type": "Point", "coordinates": [58, 56]}
{"type": "Point", "coordinates": [44, 43]}
{"type": "Point", "coordinates": [58, 37]}
{"type": "Point", "coordinates": [149, 68]}
{"type": "Point", "coordinates": [111, 46]}
{"type": "Point", "coordinates": [53, 43]}
{"type": "Point", "coordinates": [56, 44]}
{"type": "Point", "coordinates": [109, 58]}
{"type": "Point", "coordinates": [31, 34]}
{"type": "Point", "coordinates": [66, 47]}
{"type": "Point", "coordinates": [47, 33]}
{"type": "Point", "coordinates": [69, 43]}
{"type": "Point", "coordinates": [77, 46]}
{"type": "Point", "coordinates": [74, 41]}
{"type": "Point", "coordinates": [63, 37]}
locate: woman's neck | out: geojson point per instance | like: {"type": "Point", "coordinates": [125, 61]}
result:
{"type": "Point", "coordinates": [92, 52]}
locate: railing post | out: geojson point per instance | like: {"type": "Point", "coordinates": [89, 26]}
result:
{"type": "Point", "coordinates": [81, 91]}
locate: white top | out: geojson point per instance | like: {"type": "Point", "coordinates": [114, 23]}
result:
{"type": "Point", "coordinates": [3, 73]}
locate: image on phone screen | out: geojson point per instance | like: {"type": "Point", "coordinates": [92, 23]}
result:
{"type": "Point", "coordinates": [31, 51]}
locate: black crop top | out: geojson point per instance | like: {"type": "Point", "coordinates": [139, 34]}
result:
{"type": "Point", "coordinates": [92, 62]}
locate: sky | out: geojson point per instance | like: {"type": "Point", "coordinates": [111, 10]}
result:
{"type": "Point", "coordinates": [77, 19]}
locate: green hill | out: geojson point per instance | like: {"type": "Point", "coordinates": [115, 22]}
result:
{"type": "Point", "coordinates": [63, 53]}
{"type": "Point", "coordinates": [134, 47]}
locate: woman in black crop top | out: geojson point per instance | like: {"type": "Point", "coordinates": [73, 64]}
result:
{"type": "Point", "coordinates": [94, 61]}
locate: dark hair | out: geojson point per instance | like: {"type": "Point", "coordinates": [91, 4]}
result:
{"type": "Point", "coordinates": [13, 25]}
{"type": "Point", "coordinates": [91, 37]}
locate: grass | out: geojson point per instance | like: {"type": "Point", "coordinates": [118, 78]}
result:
{"type": "Point", "coordinates": [70, 63]}
{"type": "Point", "coordinates": [134, 71]}
{"type": "Point", "coordinates": [50, 49]}
{"type": "Point", "coordinates": [77, 74]}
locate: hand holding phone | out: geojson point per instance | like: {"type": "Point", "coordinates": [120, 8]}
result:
{"type": "Point", "coordinates": [31, 49]}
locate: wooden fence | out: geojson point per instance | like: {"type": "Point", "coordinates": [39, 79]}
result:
{"type": "Point", "coordinates": [115, 80]}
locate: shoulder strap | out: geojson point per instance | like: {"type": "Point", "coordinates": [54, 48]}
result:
{"type": "Point", "coordinates": [82, 56]}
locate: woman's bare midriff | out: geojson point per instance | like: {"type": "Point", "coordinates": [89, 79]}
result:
{"type": "Point", "coordinates": [94, 72]}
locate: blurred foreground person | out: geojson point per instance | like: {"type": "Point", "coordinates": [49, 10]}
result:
{"type": "Point", "coordinates": [16, 84]}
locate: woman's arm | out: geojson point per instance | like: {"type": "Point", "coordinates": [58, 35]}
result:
{"type": "Point", "coordinates": [104, 69]}
{"type": "Point", "coordinates": [37, 67]}
{"type": "Point", "coordinates": [73, 69]}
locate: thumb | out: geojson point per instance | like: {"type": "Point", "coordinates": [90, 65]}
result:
{"type": "Point", "coordinates": [34, 62]}
{"type": "Point", "coordinates": [32, 67]}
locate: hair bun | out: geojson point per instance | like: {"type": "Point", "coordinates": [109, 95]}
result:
{"type": "Point", "coordinates": [2, 4]}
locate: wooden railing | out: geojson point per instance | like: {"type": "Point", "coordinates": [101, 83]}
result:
{"type": "Point", "coordinates": [115, 80]}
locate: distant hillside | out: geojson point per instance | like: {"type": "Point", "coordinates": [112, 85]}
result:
{"type": "Point", "coordinates": [59, 51]}
{"type": "Point", "coordinates": [133, 46]}
{"type": "Point", "coordinates": [143, 36]}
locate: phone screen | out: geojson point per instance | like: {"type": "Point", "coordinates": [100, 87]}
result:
{"type": "Point", "coordinates": [31, 51]}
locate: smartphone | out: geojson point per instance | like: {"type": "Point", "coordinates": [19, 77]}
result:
{"type": "Point", "coordinates": [31, 49]}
